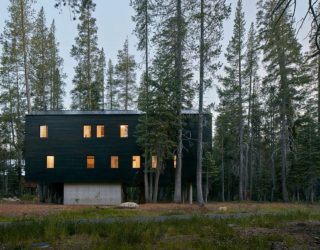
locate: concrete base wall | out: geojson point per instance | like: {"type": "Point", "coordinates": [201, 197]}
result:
{"type": "Point", "coordinates": [92, 194]}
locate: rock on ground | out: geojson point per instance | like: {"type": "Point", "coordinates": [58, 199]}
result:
{"type": "Point", "coordinates": [129, 205]}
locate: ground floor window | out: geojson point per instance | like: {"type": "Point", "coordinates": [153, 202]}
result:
{"type": "Point", "coordinates": [50, 161]}
{"type": "Point", "coordinates": [154, 161]}
{"type": "Point", "coordinates": [90, 161]}
{"type": "Point", "coordinates": [135, 161]}
{"type": "Point", "coordinates": [114, 161]}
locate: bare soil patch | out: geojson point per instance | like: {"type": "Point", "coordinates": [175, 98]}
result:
{"type": "Point", "coordinates": [306, 234]}
{"type": "Point", "coordinates": [13, 209]}
{"type": "Point", "coordinates": [236, 207]}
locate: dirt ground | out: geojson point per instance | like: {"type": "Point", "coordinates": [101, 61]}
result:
{"type": "Point", "coordinates": [305, 234]}
{"type": "Point", "coordinates": [21, 209]}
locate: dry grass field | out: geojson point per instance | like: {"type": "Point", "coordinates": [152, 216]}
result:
{"type": "Point", "coordinates": [25, 209]}
{"type": "Point", "coordinates": [263, 226]}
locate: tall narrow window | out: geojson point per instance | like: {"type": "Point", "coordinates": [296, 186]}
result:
{"type": "Point", "coordinates": [50, 161]}
{"type": "Point", "coordinates": [43, 131]}
{"type": "Point", "coordinates": [123, 131]}
{"type": "Point", "coordinates": [175, 161]}
{"type": "Point", "coordinates": [114, 161]}
{"type": "Point", "coordinates": [90, 161]}
{"type": "Point", "coordinates": [100, 131]}
{"type": "Point", "coordinates": [154, 161]}
{"type": "Point", "coordinates": [136, 161]}
{"type": "Point", "coordinates": [86, 131]}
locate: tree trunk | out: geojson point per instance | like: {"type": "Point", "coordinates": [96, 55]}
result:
{"type": "Point", "coordinates": [156, 185]}
{"type": "Point", "coordinates": [178, 80]}
{"type": "Point", "coordinates": [284, 138]}
{"type": "Point", "coordinates": [319, 95]}
{"type": "Point", "coordinates": [146, 182]}
{"type": "Point", "coordinates": [240, 132]}
{"type": "Point", "coordinates": [200, 121]}
{"type": "Point", "coordinates": [250, 111]}
{"type": "Point", "coordinates": [25, 52]}
{"type": "Point", "coordinates": [89, 104]}
{"type": "Point", "coordinates": [222, 171]}
{"type": "Point", "coordinates": [127, 77]}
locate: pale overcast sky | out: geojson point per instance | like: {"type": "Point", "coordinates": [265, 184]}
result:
{"type": "Point", "coordinates": [115, 24]}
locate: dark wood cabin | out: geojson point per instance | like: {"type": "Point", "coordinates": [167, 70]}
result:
{"type": "Point", "coordinates": [85, 157]}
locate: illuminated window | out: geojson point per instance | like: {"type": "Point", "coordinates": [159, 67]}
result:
{"type": "Point", "coordinates": [100, 131]}
{"type": "Point", "coordinates": [86, 131]}
{"type": "Point", "coordinates": [154, 161]}
{"type": "Point", "coordinates": [136, 161]}
{"type": "Point", "coordinates": [50, 161]}
{"type": "Point", "coordinates": [43, 131]}
{"type": "Point", "coordinates": [90, 161]}
{"type": "Point", "coordinates": [175, 161]}
{"type": "Point", "coordinates": [114, 162]}
{"type": "Point", "coordinates": [123, 131]}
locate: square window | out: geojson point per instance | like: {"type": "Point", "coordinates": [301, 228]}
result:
{"type": "Point", "coordinates": [123, 131]}
{"type": "Point", "coordinates": [114, 162]}
{"type": "Point", "coordinates": [100, 131]}
{"type": "Point", "coordinates": [43, 131]}
{"type": "Point", "coordinates": [154, 161]}
{"type": "Point", "coordinates": [86, 131]}
{"type": "Point", "coordinates": [136, 161]}
{"type": "Point", "coordinates": [90, 161]}
{"type": "Point", "coordinates": [50, 161]}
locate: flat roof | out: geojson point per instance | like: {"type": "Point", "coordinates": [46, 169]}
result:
{"type": "Point", "coordinates": [100, 112]}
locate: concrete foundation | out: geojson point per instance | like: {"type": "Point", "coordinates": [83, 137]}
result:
{"type": "Point", "coordinates": [92, 194]}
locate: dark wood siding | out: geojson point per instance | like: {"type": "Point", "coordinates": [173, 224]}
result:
{"type": "Point", "coordinates": [66, 143]}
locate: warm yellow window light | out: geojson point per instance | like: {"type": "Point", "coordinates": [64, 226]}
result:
{"type": "Point", "coordinates": [100, 131]}
{"type": "Point", "coordinates": [90, 161]}
{"type": "Point", "coordinates": [136, 161]}
{"type": "Point", "coordinates": [50, 161]}
{"type": "Point", "coordinates": [123, 131]}
{"type": "Point", "coordinates": [86, 131]}
{"type": "Point", "coordinates": [43, 131]}
{"type": "Point", "coordinates": [114, 161]}
{"type": "Point", "coordinates": [175, 161]}
{"type": "Point", "coordinates": [154, 161]}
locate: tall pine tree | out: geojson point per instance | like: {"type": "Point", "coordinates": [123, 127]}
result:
{"type": "Point", "coordinates": [87, 93]}
{"type": "Point", "coordinates": [126, 77]}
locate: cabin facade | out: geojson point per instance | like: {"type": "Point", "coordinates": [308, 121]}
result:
{"type": "Point", "coordinates": [90, 157]}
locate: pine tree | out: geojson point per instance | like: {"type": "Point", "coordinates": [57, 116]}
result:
{"type": "Point", "coordinates": [56, 75]}
{"type": "Point", "coordinates": [233, 86]}
{"type": "Point", "coordinates": [15, 91]}
{"type": "Point", "coordinates": [126, 77]}
{"type": "Point", "coordinates": [86, 94]}
{"type": "Point", "coordinates": [170, 41]}
{"type": "Point", "coordinates": [111, 88]}
{"type": "Point", "coordinates": [210, 15]}
{"type": "Point", "coordinates": [39, 61]}
{"type": "Point", "coordinates": [161, 123]}
{"type": "Point", "coordinates": [143, 23]}
{"type": "Point", "coordinates": [25, 16]}
{"type": "Point", "coordinates": [100, 72]}
{"type": "Point", "coordinates": [282, 56]}
{"type": "Point", "coordinates": [252, 81]}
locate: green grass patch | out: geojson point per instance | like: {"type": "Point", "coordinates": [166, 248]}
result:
{"type": "Point", "coordinates": [196, 233]}
{"type": "Point", "coordinates": [95, 213]}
